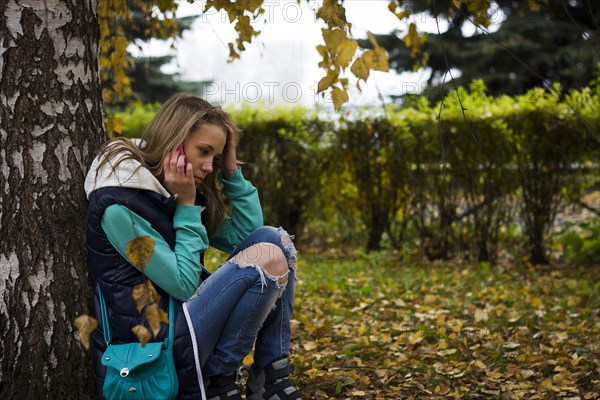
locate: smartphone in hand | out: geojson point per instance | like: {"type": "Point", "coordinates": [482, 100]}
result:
{"type": "Point", "coordinates": [182, 153]}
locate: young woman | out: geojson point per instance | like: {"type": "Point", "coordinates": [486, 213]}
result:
{"type": "Point", "coordinates": [173, 186]}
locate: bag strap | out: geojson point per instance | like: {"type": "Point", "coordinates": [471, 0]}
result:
{"type": "Point", "coordinates": [106, 325]}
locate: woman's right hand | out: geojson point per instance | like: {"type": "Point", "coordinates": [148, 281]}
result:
{"type": "Point", "coordinates": [179, 179]}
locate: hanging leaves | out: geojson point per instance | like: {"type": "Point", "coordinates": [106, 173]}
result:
{"type": "Point", "coordinates": [114, 16]}
{"type": "Point", "coordinates": [414, 42]}
{"type": "Point", "coordinates": [85, 325]}
{"type": "Point", "coordinates": [395, 8]}
{"type": "Point", "coordinates": [239, 12]}
{"type": "Point", "coordinates": [478, 8]}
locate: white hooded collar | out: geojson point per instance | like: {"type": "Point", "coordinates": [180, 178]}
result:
{"type": "Point", "coordinates": [128, 174]}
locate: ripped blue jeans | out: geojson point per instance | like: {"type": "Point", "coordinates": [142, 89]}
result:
{"type": "Point", "coordinates": [242, 305]}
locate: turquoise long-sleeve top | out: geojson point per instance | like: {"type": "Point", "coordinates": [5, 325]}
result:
{"type": "Point", "coordinates": [178, 271]}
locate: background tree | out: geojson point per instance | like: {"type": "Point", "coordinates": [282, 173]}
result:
{"type": "Point", "coordinates": [536, 46]}
{"type": "Point", "coordinates": [142, 78]}
{"type": "Point", "coordinates": [149, 83]}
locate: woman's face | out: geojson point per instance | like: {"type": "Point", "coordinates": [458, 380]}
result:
{"type": "Point", "coordinates": [202, 148]}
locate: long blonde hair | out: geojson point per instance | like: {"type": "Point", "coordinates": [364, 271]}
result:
{"type": "Point", "coordinates": [180, 116]}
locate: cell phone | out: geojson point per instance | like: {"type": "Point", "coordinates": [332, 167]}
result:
{"type": "Point", "coordinates": [181, 152]}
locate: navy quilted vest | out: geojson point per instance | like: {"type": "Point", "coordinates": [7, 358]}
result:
{"type": "Point", "coordinates": [117, 278]}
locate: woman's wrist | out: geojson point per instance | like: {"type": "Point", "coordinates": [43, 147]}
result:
{"type": "Point", "coordinates": [184, 201]}
{"type": "Point", "coordinates": [229, 174]}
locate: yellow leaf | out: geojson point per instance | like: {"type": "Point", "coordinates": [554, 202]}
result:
{"type": "Point", "coordinates": [118, 125]}
{"type": "Point", "coordinates": [339, 97]}
{"type": "Point", "coordinates": [376, 59]}
{"type": "Point", "coordinates": [480, 315]}
{"type": "Point", "coordinates": [444, 353]}
{"type": "Point", "coordinates": [142, 333]}
{"type": "Point", "coordinates": [143, 294]}
{"type": "Point", "coordinates": [154, 318]}
{"type": "Point", "coordinates": [165, 5]}
{"type": "Point", "coordinates": [333, 13]}
{"type": "Point", "coordinates": [359, 69]}
{"type": "Point", "coordinates": [310, 345]}
{"type": "Point", "coordinates": [441, 389]}
{"type": "Point", "coordinates": [345, 52]}
{"type": "Point", "coordinates": [139, 251]}
{"type": "Point", "coordinates": [107, 95]}
{"type": "Point", "coordinates": [322, 50]}
{"type": "Point", "coordinates": [85, 325]}
{"type": "Point", "coordinates": [249, 359]}
{"type": "Point", "coordinates": [400, 14]}
{"type": "Point", "coordinates": [413, 41]}
{"type": "Point", "coordinates": [533, 5]}
{"type": "Point", "coordinates": [333, 38]}
{"type": "Point", "coordinates": [163, 316]}
{"type": "Point", "coordinates": [416, 337]}
{"type": "Point", "coordinates": [372, 39]}
{"type": "Point", "coordinates": [526, 373]}
{"type": "Point", "coordinates": [536, 302]}
{"type": "Point", "coordinates": [327, 81]}
{"type": "Point", "coordinates": [430, 299]}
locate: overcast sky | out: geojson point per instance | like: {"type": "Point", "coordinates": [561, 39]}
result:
{"type": "Point", "coordinates": [281, 67]}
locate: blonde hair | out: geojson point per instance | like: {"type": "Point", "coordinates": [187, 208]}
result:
{"type": "Point", "coordinates": [180, 116]}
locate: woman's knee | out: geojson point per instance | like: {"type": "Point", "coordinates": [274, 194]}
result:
{"type": "Point", "coordinates": [266, 234]}
{"type": "Point", "coordinates": [267, 256]}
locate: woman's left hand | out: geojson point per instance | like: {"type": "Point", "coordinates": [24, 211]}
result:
{"type": "Point", "coordinates": [228, 161]}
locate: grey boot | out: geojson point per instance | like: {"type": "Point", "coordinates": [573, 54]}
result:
{"type": "Point", "coordinates": [272, 383]}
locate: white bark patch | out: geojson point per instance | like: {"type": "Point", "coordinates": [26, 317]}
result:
{"type": "Point", "coordinates": [9, 272]}
{"type": "Point", "coordinates": [13, 18]}
{"type": "Point", "coordinates": [39, 131]}
{"type": "Point", "coordinates": [10, 102]}
{"type": "Point", "coordinates": [25, 301]}
{"type": "Point", "coordinates": [62, 153]}
{"type": "Point", "coordinates": [18, 162]}
{"type": "Point", "coordinates": [37, 156]}
{"type": "Point", "coordinates": [5, 173]}
{"type": "Point", "coordinates": [51, 108]}
{"type": "Point", "coordinates": [3, 48]}
{"type": "Point", "coordinates": [51, 322]}
{"type": "Point", "coordinates": [72, 107]}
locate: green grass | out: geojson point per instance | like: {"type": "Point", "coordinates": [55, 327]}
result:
{"type": "Point", "coordinates": [377, 327]}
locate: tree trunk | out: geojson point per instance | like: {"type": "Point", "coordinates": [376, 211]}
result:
{"type": "Point", "coordinates": [379, 225]}
{"type": "Point", "coordinates": [50, 129]}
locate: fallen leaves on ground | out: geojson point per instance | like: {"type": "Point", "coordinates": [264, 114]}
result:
{"type": "Point", "coordinates": [385, 329]}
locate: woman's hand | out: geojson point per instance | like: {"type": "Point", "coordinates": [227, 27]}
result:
{"type": "Point", "coordinates": [228, 161]}
{"type": "Point", "coordinates": [179, 179]}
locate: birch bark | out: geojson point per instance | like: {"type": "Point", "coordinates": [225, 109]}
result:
{"type": "Point", "coordinates": [50, 127]}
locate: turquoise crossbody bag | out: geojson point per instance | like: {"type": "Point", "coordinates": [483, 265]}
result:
{"type": "Point", "coordinates": [134, 372]}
